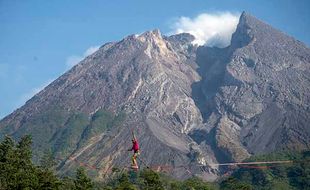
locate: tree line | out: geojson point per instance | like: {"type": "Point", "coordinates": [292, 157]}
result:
{"type": "Point", "coordinates": [18, 172]}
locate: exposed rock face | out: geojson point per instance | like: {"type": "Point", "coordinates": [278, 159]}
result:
{"type": "Point", "coordinates": [189, 105]}
{"type": "Point", "coordinates": [264, 89]}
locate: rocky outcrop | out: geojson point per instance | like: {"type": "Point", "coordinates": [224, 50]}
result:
{"type": "Point", "coordinates": [256, 90]}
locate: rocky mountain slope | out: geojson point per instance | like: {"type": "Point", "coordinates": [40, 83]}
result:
{"type": "Point", "coordinates": [190, 106]}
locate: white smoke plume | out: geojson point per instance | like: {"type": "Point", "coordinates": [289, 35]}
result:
{"type": "Point", "coordinates": [210, 29]}
{"type": "Point", "coordinates": [75, 59]}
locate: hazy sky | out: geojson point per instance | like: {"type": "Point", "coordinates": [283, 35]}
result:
{"type": "Point", "coordinates": [40, 40]}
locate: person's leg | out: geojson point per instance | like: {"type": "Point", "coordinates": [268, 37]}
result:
{"type": "Point", "coordinates": [135, 159]}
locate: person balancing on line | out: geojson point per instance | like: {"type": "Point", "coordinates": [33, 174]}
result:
{"type": "Point", "coordinates": [135, 148]}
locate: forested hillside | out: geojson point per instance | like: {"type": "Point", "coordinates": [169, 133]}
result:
{"type": "Point", "coordinates": [19, 172]}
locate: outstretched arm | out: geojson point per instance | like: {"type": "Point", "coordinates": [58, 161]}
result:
{"type": "Point", "coordinates": [133, 135]}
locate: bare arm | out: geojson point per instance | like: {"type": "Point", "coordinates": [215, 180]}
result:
{"type": "Point", "coordinates": [133, 135]}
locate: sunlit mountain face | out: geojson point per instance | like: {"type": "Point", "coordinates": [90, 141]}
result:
{"type": "Point", "coordinates": [189, 105]}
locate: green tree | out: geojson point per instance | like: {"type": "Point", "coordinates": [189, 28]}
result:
{"type": "Point", "coordinates": [151, 180]}
{"type": "Point", "coordinates": [82, 181]}
{"type": "Point", "coordinates": [107, 188]}
{"type": "Point", "coordinates": [233, 183]}
{"type": "Point", "coordinates": [6, 149]}
{"type": "Point", "coordinates": [48, 180]}
{"type": "Point", "coordinates": [67, 183]}
{"type": "Point", "coordinates": [17, 170]}
{"type": "Point", "coordinates": [124, 183]}
{"type": "Point", "coordinates": [47, 161]}
{"type": "Point", "coordinates": [7, 155]}
{"type": "Point", "coordinates": [26, 174]}
{"type": "Point", "coordinates": [195, 184]}
{"type": "Point", "coordinates": [175, 185]}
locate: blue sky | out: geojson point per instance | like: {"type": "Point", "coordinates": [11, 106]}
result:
{"type": "Point", "coordinates": [38, 38]}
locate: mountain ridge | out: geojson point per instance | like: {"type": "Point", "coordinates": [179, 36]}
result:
{"type": "Point", "coordinates": [189, 105]}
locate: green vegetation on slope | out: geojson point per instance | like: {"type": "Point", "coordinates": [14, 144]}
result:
{"type": "Point", "coordinates": [41, 127]}
{"type": "Point", "coordinates": [63, 131]}
{"type": "Point", "coordinates": [70, 136]}
{"type": "Point", "coordinates": [18, 172]}
{"type": "Point", "coordinates": [291, 176]}
{"type": "Point", "coordinates": [79, 130]}
{"type": "Point", "coordinates": [288, 176]}
{"type": "Point", "coordinates": [102, 121]}
{"type": "Point", "coordinates": [150, 180]}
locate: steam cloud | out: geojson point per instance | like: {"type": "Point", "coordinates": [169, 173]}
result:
{"type": "Point", "coordinates": [75, 59]}
{"type": "Point", "coordinates": [213, 30]}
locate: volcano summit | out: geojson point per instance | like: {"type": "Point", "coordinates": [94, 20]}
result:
{"type": "Point", "coordinates": [190, 106]}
